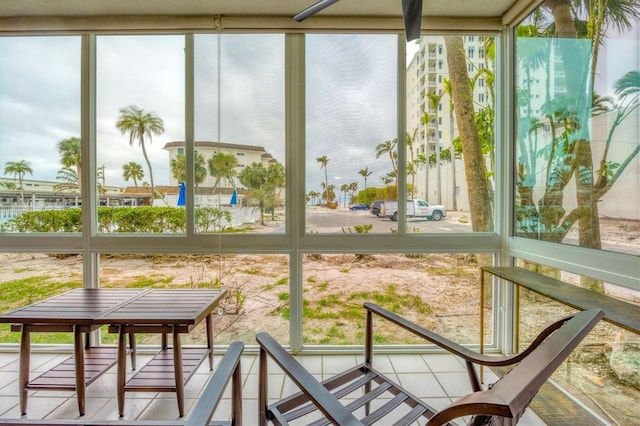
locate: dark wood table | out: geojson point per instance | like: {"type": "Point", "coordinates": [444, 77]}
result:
{"type": "Point", "coordinates": [164, 311]}
{"type": "Point", "coordinates": [71, 312]}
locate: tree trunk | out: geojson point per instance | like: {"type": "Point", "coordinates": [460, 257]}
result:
{"type": "Point", "coordinates": [474, 162]}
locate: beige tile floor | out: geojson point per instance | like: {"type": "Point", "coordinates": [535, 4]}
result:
{"type": "Point", "coordinates": [438, 379]}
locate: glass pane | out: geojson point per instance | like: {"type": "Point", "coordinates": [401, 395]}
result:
{"type": "Point", "coordinates": [254, 285]}
{"type": "Point", "coordinates": [140, 110]}
{"type": "Point", "coordinates": [351, 129]}
{"type": "Point", "coordinates": [27, 278]}
{"type": "Point", "coordinates": [578, 140]}
{"type": "Point", "coordinates": [40, 134]}
{"type": "Point", "coordinates": [602, 371]}
{"type": "Point", "coordinates": [239, 133]}
{"type": "Point", "coordinates": [446, 75]}
{"type": "Point", "coordinates": [438, 291]}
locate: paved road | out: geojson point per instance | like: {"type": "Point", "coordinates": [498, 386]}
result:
{"type": "Point", "coordinates": [323, 220]}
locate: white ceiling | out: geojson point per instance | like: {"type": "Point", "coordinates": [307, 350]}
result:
{"type": "Point", "coordinates": [352, 8]}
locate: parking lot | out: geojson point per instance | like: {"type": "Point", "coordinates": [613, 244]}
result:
{"type": "Point", "coordinates": [324, 220]}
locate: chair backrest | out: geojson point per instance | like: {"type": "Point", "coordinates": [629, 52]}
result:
{"type": "Point", "coordinates": [508, 398]}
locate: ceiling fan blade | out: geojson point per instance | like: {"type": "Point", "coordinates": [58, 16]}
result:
{"type": "Point", "coordinates": [312, 10]}
{"type": "Point", "coordinates": [412, 13]}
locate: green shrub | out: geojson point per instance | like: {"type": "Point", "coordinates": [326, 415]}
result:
{"type": "Point", "coordinates": [119, 219]}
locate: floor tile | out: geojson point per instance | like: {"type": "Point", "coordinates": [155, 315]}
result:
{"type": "Point", "coordinates": [435, 378]}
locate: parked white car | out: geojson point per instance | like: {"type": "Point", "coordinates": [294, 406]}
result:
{"type": "Point", "coordinates": [415, 208]}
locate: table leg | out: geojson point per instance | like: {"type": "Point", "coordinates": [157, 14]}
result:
{"type": "Point", "coordinates": [132, 348]}
{"type": "Point", "coordinates": [177, 367]}
{"type": "Point", "coordinates": [209, 323]}
{"type": "Point", "coordinates": [25, 357]}
{"type": "Point", "coordinates": [122, 368]}
{"type": "Point", "coordinates": [78, 354]}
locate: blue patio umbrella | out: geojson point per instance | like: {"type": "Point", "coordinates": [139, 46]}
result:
{"type": "Point", "coordinates": [182, 195]}
{"type": "Point", "coordinates": [234, 198]}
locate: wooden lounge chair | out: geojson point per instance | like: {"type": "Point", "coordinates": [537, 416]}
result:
{"type": "Point", "coordinates": [503, 403]}
{"type": "Point", "coordinates": [227, 371]}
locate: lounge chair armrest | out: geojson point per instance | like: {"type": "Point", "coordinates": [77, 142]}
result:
{"type": "Point", "coordinates": [451, 346]}
{"type": "Point", "coordinates": [313, 389]}
{"type": "Point", "coordinates": [477, 403]}
{"type": "Point", "coordinates": [212, 393]}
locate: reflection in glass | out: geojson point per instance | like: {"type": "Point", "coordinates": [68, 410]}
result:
{"type": "Point", "coordinates": [577, 140]}
{"type": "Point", "coordinates": [600, 369]}
{"type": "Point", "coordinates": [40, 134]}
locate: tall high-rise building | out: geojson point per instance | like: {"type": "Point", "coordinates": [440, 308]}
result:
{"type": "Point", "coordinates": [431, 122]}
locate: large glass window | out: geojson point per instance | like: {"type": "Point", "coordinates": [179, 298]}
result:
{"type": "Point", "coordinates": [40, 134]}
{"type": "Point", "coordinates": [351, 130]}
{"type": "Point", "coordinates": [438, 291]}
{"type": "Point", "coordinates": [239, 133]}
{"type": "Point", "coordinates": [599, 372]}
{"type": "Point", "coordinates": [577, 135]}
{"type": "Point", "coordinates": [27, 278]}
{"type": "Point", "coordinates": [450, 124]}
{"type": "Point", "coordinates": [140, 109]}
{"type": "Point", "coordinates": [254, 285]}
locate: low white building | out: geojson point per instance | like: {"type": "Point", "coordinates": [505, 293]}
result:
{"type": "Point", "coordinates": [245, 154]}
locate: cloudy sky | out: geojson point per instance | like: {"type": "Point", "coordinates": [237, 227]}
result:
{"type": "Point", "coordinates": [351, 99]}
{"type": "Point", "coordinates": [351, 102]}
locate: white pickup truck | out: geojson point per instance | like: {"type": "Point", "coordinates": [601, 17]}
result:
{"type": "Point", "coordinates": [415, 208]}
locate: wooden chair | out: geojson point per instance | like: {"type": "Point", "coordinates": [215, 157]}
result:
{"type": "Point", "coordinates": [502, 403]}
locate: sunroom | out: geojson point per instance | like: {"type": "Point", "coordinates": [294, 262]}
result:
{"type": "Point", "coordinates": [225, 145]}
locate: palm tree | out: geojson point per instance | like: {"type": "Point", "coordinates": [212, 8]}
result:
{"type": "Point", "coordinates": [365, 173]}
{"type": "Point", "coordinates": [313, 195]}
{"type": "Point", "coordinates": [412, 164]}
{"type": "Point", "coordinates": [329, 193]}
{"type": "Point", "coordinates": [71, 154]}
{"type": "Point", "coordinates": [200, 172]}
{"type": "Point", "coordinates": [276, 182]}
{"type": "Point", "coordinates": [223, 166]}
{"type": "Point", "coordinates": [344, 188]}
{"type": "Point", "coordinates": [18, 169]}
{"type": "Point", "coordinates": [628, 86]}
{"type": "Point", "coordinates": [101, 180]}
{"type": "Point", "coordinates": [434, 102]}
{"type": "Point", "coordinates": [179, 172]}
{"type": "Point", "coordinates": [474, 162]}
{"type": "Point", "coordinates": [353, 187]}
{"type": "Point", "coordinates": [276, 175]}
{"type": "Point", "coordinates": [386, 180]}
{"type": "Point", "coordinates": [568, 25]}
{"type": "Point", "coordinates": [134, 171]}
{"type": "Point", "coordinates": [324, 160]}
{"type": "Point", "coordinates": [178, 168]}
{"type": "Point", "coordinates": [140, 124]}
{"type": "Point", "coordinates": [261, 183]}
{"type": "Point", "coordinates": [389, 148]}
{"type": "Point", "coordinates": [69, 181]}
